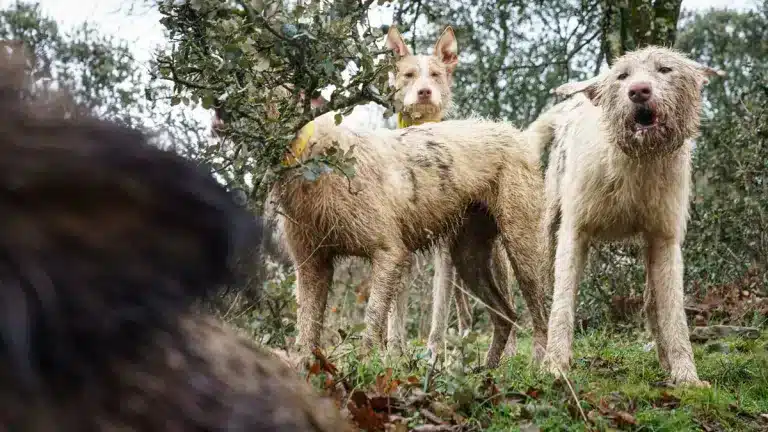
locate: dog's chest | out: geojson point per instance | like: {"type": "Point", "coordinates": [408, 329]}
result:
{"type": "Point", "coordinates": [625, 201]}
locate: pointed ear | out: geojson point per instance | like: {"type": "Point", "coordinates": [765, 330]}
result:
{"type": "Point", "coordinates": [396, 43]}
{"type": "Point", "coordinates": [709, 72]}
{"type": "Point", "coordinates": [447, 50]}
{"type": "Point", "coordinates": [588, 87]}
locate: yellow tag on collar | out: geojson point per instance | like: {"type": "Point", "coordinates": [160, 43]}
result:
{"type": "Point", "coordinates": [402, 123]}
{"type": "Point", "coordinates": [299, 144]}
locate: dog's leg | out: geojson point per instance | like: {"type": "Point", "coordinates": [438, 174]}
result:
{"type": "Point", "coordinates": [463, 306]}
{"type": "Point", "coordinates": [651, 317]}
{"type": "Point", "coordinates": [388, 267]}
{"type": "Point", "coordinates": [471, 254]}
{"type": "Point", "coordinates": [570, 258]}
{"type": "Point", "coordinates": [475, 270]}
{"type": "Point", "coordinates": [503, 330]}
{"type": "Point", "coordinates": [665, 280]}
{"type": "Point", "coordinates": [550, 224]}
{"type": "Point", "coordinates": [397, 333]}
{"type": "Point", "coordinates": [519, 221]}
{"type": "Point", "coordinates": [500, 269]}
{"type": "Point", "coordinates": [313, 281]}
{"type": "Point", "coordinates": [442, 288]}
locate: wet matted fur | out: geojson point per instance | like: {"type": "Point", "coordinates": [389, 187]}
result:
{"type": "Point", "coordinates": [620, 169]}
{"type": "Point", "coordinates": [424, 95]}
{"type": "Point", "coordinates": [412, 189]}
{"type": "Point", "coordinates": [106, 242]}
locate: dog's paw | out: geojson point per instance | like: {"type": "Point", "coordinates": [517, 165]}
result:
{"type": "Point", "coordinates": [395, 349]}
{"type": "Point", "coordinates": [555, 367]}
{"type": "Point", "coordinates": [690, 382]}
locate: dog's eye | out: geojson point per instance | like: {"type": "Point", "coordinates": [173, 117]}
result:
{"type": "Point", "coordinates": [435, 74]}
{"type": "Point", "coordinates": [409, 74]}
{"type": "Point", "coordinates": [665, 70]}
{"type": "Point", "coordinates": [624, 75]}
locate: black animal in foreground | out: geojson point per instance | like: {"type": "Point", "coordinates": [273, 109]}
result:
{"type": "Point", "coordinates": [105, 243]}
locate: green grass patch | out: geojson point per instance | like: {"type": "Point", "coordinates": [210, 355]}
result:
{"type": "Point", "coordinates": [615, 380]}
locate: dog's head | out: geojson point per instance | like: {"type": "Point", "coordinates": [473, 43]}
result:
{"type": "Point", "coordinates": [650, 99]}
{"type": "Point", "coordinates": [423, 82]}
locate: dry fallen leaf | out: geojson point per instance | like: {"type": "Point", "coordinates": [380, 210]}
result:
{"type": "Point", "coordinates": [624, 418]}
{"type": "Point", "coordinates": [363, 414]}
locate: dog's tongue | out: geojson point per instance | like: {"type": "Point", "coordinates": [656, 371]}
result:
{"type": "Point", "coordinates": [644, 116]}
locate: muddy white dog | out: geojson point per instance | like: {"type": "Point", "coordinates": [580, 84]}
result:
{"type": "Point", "coordinates": [412, 188]}
{"type": "Point", "coordinates": [620, 169]}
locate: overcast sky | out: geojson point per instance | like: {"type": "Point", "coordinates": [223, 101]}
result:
{"type": "Point", "coordinates": [145, 31]}
{"type": "Point", "coordinates": [142, 28]}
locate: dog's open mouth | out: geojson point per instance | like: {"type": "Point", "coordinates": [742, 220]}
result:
{"type": "Point", "coordinates": [645, 118]}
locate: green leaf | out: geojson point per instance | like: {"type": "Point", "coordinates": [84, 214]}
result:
{"type": "Point", "coordinates": [262, 64]}
{"type": "Point", "coordinates": [196, 4]}
{"type": "Point", "coordinates": [357, 328]}
{"type": "Point", "coordinates": [309, 174]}
{"type": "Point", "coordinates": [207, 101]}
{"type": "Point", "coordinates": [338, 118]}
{"type": "Point", "coordinates": [328, 67]}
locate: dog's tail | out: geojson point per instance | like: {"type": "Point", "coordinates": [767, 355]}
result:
{"type": "Point", "coordinates": [541, 133]}
{"type": "Point", "coordinates": [106, 240]}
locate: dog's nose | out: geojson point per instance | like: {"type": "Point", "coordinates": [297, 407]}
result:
{"type": "Point", "coordinates": [640, 92]}
{"type": "Point", "coordinates": [424, 93]}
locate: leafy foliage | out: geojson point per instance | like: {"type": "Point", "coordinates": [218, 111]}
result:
{"type": "Point", "coordinates": [633, 24]}
{"type": "Point", "coordinates": [259, 64]}
{"type": "Point", "coordinates": [85, 63]}
{"type": "Point", "coordinates": [101, 74]}
{"type": "Point", "coordinates": [511, 52]}
{"type": "Point", "coordinates": [729, 228]}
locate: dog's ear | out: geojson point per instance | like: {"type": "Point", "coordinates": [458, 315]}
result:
{"type": "Point", "coordinates": [447, 50]}
{"type": "Point", "coordinates": [707, 72]}
{"type": "Point", "coordinates": [588, 87]}
{"type": "Point", "coordinates": [396, 43]}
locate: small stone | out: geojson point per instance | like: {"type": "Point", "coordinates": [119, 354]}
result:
{"type": "Point", "coordinates": [649, 346]}
{"type": "Point", "coordinates": [703, 334]}
{"type": "Point", "coordinates": [529, 427]}
{"type": "Point", "coordinates": [720, 347]}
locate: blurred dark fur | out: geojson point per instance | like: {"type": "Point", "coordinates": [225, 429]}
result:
{"type": "Point", "coordinates": [105, 243]}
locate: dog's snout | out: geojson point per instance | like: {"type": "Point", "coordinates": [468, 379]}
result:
{"type": "Point", "coordinates": [640, 92]}
{"type": "Point", "coordinates": [425, 93]}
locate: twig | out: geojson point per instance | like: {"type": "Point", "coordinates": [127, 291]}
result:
{"type": "Point", "coordinates": [231, 306]}
{"type": "Point", "coordinates": [318, 246]}
{"type": "Point", "coordinates": [430, 371]}
{"type": "Point", "coordinates": [573, 393]}
{"type": "Point", "coordinates": [431, 416]}
{"type": "Point", "coordinates": [486, 305]}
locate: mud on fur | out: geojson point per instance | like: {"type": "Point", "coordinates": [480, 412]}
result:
{"type": "Point", "coordinates": [620, 170]}
{"type": "Point", "coordinates": [411, 189]}
{"type": "Point", "coordinates": [423, 94]}
{"type": "Point", "coordinates": [106, 242]}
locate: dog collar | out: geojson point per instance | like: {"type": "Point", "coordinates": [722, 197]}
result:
{"type": "Point", "coordinates": [299, 144]}
{"type": "Point", "coordinates": [402, 123]}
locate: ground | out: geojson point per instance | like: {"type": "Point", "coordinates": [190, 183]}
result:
{"type": "Point", "coordinates": [616, 380]}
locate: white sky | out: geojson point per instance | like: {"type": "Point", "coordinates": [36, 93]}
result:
{"type": "Point", "coordinates": [142, 29]}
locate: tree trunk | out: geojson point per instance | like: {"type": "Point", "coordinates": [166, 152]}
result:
{"type": "Point", "coordinates": [632, 24]}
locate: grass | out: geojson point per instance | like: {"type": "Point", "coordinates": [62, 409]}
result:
{"type": "Point", "coordinates": [618, 385]}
